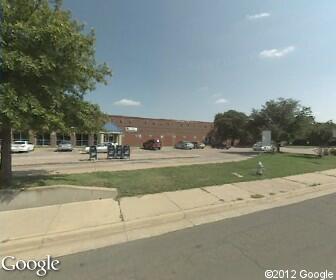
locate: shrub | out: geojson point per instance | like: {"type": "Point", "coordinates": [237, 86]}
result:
{"type": "Point", "coordinates": [333, 151]}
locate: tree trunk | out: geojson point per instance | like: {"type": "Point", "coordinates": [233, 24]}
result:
{"type": "Point", "coordinates": [278, 147]}
{"type": "Point", "coordinates": [6, 157]}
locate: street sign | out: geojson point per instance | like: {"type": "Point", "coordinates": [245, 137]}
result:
{"type": "Point", "coordinates": [131, 129]}
{"type": "Point", "coordinates": [266, 138]}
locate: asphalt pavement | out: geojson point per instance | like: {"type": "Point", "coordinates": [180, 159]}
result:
{"type": "Point", "coordinates": [46, 161]}
{"type": "Point", "coordinates": [299, 237]}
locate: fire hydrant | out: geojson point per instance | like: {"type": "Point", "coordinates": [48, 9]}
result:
{"type": "Point", "coordinates": [260, 168]}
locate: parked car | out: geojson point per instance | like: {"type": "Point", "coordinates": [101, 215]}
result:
{"type": "Point", "coordinates": [22, 146]}
{"type": "Point", "coordinates": [152, 144]}
{"type": "Point", "coordinates": [64, 146]}
{"type": "Point", "coordinates": [221, 146]}
{"type": "Point", "coordinates": [101, 148]}
{"type": "Point", "coordinates": [198, 145]}
{"type": "Point", "coordinates": [263, 148]}
{"type": "Point", "coordinates": [185, 145]}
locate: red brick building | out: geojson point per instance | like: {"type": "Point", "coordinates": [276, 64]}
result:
{"type": "Point", "coordinates": [124, 130]}
{"type": "Point", "coordinates": [136, 130]}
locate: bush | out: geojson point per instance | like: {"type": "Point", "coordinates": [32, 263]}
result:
{"type": "Point", "coordinates": [333, 151]}
{"type": "Point", "coordinates": [300, 142]}
{"type": "Point", "coordinates": [326, 152]}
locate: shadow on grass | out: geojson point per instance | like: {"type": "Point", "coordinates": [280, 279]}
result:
{"type": "Point", "coordinates": [34, 178]}
{"type": "Point", "coordinates": [306, 156]}
{"type": "Point", "coordinates": [251, 153]}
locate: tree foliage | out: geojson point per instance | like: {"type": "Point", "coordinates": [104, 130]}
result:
{"type": "Point", "coordinates": [47, 66]}
{"type": "Point", "coordinates": [321, 134]}
{"type": "Point", "coordinates": [230, 125]}
{"type": "Point", "coordinates": [47, 62]}
{"type": "Point", "coordinates": [286, 118]}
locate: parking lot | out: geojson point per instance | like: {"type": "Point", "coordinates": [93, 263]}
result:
{"type": "Point", "coordinates": [46, 160]}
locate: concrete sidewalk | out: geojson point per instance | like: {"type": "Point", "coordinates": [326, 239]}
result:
{"type": "Point", "coordinates": [78, 226]}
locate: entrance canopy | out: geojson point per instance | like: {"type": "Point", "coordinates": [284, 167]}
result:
{"type": "Point", "coordinates": [111, 133]}
{"type": "Point", "coordinates": [112, 128]}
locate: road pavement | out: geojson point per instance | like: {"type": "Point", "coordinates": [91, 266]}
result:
{"type": "Point", "coordinates": [298, 237]}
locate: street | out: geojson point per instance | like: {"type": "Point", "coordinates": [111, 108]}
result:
{"type": "Point", "coordinates": [296, 237]}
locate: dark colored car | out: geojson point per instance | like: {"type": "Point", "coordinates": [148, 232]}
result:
{"type": "Point", "coordinates": [152, 144]}
{"type": "Point", "coordinates": [198, 145]}
{"type": "Point", "coordinates": [221, 146]}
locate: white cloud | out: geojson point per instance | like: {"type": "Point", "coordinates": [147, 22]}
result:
{"type": "Point", "coordinates": [127, 102]}
{"type": "Point", "coordinates": [216, 95]}
{"type": "Point", "coordinates": [258, 16]}
{"type": "Point", "coordinates": [221, 101]}
{"type": "Point", "coordinates": [274, 53]}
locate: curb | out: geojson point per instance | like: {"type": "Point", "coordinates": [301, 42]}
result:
{"type": "Point", "coordinates": [64, 243]}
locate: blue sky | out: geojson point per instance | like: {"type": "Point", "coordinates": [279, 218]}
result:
{"type": "Point", "coordinates": [190, 59]}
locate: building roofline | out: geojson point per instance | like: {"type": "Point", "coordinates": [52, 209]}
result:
{"type": "Point", "coordinates": [158, 119]}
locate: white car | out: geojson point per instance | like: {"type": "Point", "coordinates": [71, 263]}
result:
{"type": "Point", "coordinates": [22, 146]}
{"type": "Point", "coordinates": [101, 148]}
{"type": "Point", "coordinates": [263, 148]}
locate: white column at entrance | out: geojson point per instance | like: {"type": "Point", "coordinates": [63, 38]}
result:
{"type": "Point", "coordinates": [119, 139]}
{"type": "Point", "coordinates": [101, 138]}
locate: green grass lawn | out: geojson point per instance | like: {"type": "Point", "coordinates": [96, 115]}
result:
{"type": "Point", "coordinates": [139, 182]}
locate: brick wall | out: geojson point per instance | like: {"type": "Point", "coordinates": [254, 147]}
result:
{"type": "Point", "coordinates": [169, 131]}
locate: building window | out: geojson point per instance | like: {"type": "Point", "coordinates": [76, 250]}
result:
{"type": "Point", "coordinates": [110, 138]}
{"type": "Point", "coordinates": [43, 139]}
{"type": "Point", "coordinates": [20, 135]}
{"type": "Point", "coordinates": [62, 137]}
{"type": "Point", "coordinates": [82, 139]}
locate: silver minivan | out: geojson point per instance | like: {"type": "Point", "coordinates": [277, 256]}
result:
{"type": "Point", "coordinates": [64, 146]}
{"type": "Point", "coordinates": [185, 145]}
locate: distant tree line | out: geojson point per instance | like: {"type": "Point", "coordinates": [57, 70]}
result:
{"type": "Point", "coordinates": [287, 119]}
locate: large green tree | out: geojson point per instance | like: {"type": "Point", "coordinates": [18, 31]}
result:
{"type": "Point", "coordinates": [47, 65]}
{"type": "Point", "coordinates": [321, 134]}
{"type": "Point", "coordinates": [230, 125]}
{"type": "Point", "coordinates": [286, 118]}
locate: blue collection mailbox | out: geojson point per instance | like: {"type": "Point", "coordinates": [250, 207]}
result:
{"type": "Point", "coordinates": [126, 152]}
{"type": "Point", "coordinates": [111, 151]}
{"type": "Point", "coordinates": [119, 151]}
